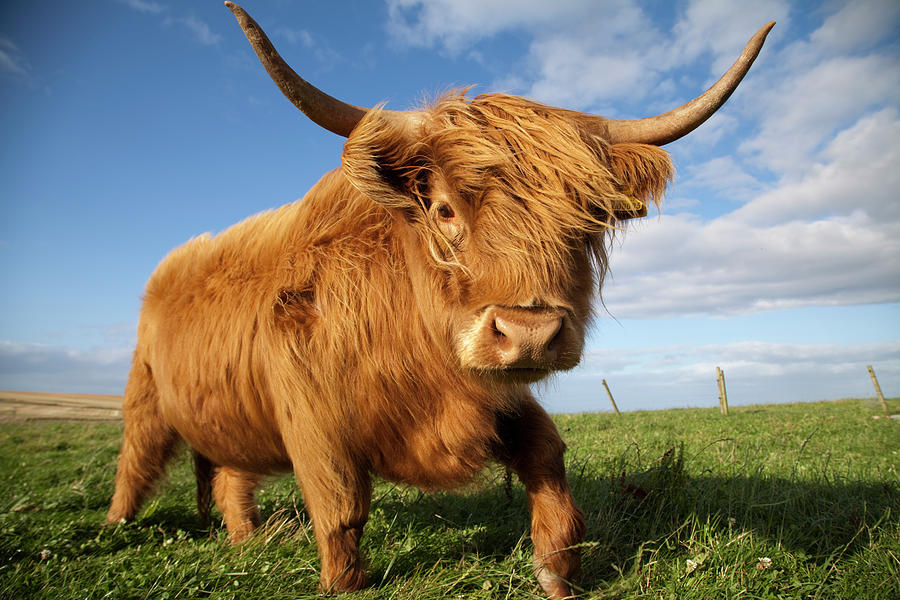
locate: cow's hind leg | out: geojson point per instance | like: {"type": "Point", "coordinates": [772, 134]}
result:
{"type": "Point", "coordinates": [233, 491]}
{"type": "Point", "coordinates": [147, 446]}
{"type": "Point", "coordinates": [533, 449]}
{"type": "Point", "coordinates": [204, 470]}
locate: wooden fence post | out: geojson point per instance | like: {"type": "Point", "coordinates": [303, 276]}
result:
{"type": "Point", "coordinates": [878, 391]}
{"type": "Point", "coordinates": [609, 393]}
{"type": "Point", "coordinates": [723, 395]}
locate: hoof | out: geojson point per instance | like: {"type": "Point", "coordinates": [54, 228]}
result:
{"type": "Point", "coordinates": [351, 581]}
{"type": "Point", "coordinates": [553, 585]}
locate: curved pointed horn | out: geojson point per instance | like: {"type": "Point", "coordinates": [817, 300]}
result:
{"type": "Point", "coordinates": [324, 110]}
{"type": "Point", "coordinates": [676, 123]}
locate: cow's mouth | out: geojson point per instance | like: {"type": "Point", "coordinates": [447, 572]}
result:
{"type": "Point", "coordinates": [518, 374]}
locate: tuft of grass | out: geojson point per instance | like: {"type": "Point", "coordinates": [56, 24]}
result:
{"type": "Point", "coordinates": [777, 501]}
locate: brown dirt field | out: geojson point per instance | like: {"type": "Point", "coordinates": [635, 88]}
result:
{"type": "Point", "coordinates": [37, 406]}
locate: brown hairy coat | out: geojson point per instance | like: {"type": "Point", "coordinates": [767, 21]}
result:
{"type": "Point", "coordinates": [366, 329]}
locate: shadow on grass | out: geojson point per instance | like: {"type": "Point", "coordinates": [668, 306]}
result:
{"type": "Point", "coordinates": [664, 507]}
{"type": "Point", "coordinates": [628, 514]}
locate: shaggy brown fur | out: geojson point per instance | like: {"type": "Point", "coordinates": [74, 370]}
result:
{"type": "Point", "coordinates": [389, 323]}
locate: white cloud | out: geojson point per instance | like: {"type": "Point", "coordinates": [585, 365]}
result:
{"type": "Point", "coordinates": [755, 373]}
{"type": "Point", "coordinates": [722, 175]}
{"type": "Point", "coordinates": [11, 59]}
{"type": "Point", "coordinates": [741, 358]}
{"type": "Point", "coordinates": [824, 233]}
{"type": "Point", "coordinates": [327, 56]}
{"type": "Point", "coordinates": [802, 108]}
{"type": "Point", "coordinates": [583, 53]}
{"type": "Point", "coordinates": [858, 170]}
{"type": "Point", "coordinates": [686, 267]}
{"type": "Point", "coordinates": [456, 24]}
{"type": "Point", "coordinates": [144, 6]}
{"type": "Point", "coordinates": [296, 36]}
{"type": "Point", "coordinates": [720, 27]}
{"type": "Point", "coordinates": [199, 29]}
{"type": "Point", "coordinates": [586, 54]}
{"type": "Point", "coordinates": [573, 74]}
{"type": "Point", "coordinates": [830, 238]}
{"type": "Point", "coordinates": [37, 367]}
{"type": "Point", "coordinates": [858, 25]}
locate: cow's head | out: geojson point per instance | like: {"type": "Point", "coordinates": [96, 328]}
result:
{"type": "Point", "coordinates": [508, 204]}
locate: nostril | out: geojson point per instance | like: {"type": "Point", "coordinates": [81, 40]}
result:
{"type": "Point", "coordinates": [495, 329]}
{"type": "Point", "coordinates": [556, 337]}
{"type": "Point", "coordinates": [501, 333]}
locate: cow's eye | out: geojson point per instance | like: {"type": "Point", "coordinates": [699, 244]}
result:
{"type": "Point", "coordinates": [447, 221]}
{"type": "Point", "coordinates": [445, 212]}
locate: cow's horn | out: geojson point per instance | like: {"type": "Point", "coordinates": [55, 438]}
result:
{"type": "Point", "coordinates": [324, 110]}
{"type": "Point", "coordinates": [676, 123]}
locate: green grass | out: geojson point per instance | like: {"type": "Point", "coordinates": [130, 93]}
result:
{"type": "Point", "coordinates": [790, 501]}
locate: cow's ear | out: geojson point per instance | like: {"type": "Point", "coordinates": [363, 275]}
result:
{"type": "Point", "coordinates": [383, 160]}
{"type": "Point", "coordinates": [642, 173]}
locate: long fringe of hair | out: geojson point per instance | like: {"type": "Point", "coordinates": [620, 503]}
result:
{"type": "Point", "coordinates": [575, 185]}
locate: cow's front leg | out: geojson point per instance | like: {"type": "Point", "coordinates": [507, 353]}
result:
{"type": "Point", "coordinates": [337, 497]}
{"type": "Point", "coordinates": [531, 446]}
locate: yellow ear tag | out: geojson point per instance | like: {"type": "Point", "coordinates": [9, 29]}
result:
{"type": "Point", "coordinates": [635, 210]}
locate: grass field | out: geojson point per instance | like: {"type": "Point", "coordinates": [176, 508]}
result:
{"type": "Point", "coordinates": [790, 501]}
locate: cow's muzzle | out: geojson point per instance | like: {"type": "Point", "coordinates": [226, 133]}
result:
{"type": "Point", "coordinates": [524, 339]}
{"type": "Point", "coordinates": [524, 343]}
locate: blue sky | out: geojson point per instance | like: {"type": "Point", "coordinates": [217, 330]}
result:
{"type": "Point", "coordinates": [130, 126]}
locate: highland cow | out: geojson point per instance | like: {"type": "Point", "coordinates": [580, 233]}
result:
{"type": "Point", "coordinates": [391, 321]}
